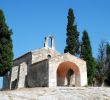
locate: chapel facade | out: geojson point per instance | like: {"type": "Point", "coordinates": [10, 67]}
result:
{"type": "Point", "coordinates": [46, 67]}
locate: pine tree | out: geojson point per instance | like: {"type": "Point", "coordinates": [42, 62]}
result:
{"type": "Point", "coordinates": [6, 54]}
{"type": "Point", "coordinates": [86, 54]}
{"type": "Point", "coordinates": [72, 41]}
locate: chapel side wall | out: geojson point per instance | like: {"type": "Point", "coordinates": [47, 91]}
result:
{"type": "Point", "coordinates": [25, 58]}
{"type": "Point", "coordinates": [22, 75]}
{"type": "Point", "coordinates": [38, 74]}
{"type": "Point", "coordinates": [21, 66]}
{"type": "Point", "coordinates": [14, 77]}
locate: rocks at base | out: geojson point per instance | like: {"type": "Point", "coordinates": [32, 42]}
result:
{"type": "Point", "coordinates": [59, 93]}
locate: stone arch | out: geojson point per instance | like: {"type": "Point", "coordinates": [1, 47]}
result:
{"type": "Point", "coordinates": [63, 70]}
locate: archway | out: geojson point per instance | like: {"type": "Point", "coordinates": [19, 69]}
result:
{"type": "Point", "coordinates": [68, 74]}
{"type": "Point", "coordinates": [70, 78]}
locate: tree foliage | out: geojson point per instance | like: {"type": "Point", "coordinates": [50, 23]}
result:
{"type": "Point", "coordinates": [72, 41]}
{"type": "Point", "coordinates": [108, 64]}
{"type": "Point", "coordinates": [6, 54]}
{"type": "Point", "coordinates": [86, 54]}
{"type": "Point", "coordinates": [101, 64]}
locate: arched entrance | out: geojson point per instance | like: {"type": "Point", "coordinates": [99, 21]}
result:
{"type": "Point", "coordinates": [68, 74]}
{"type": "Point", "coordinates": [70, 78]}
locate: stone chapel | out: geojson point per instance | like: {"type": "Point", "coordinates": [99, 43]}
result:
{"type": "Point", "coordinates": [46, 67]}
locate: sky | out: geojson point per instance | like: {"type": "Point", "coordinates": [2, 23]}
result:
{"type": "Point", "coordinates": [32, 20]}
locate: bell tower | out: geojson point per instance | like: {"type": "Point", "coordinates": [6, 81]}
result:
{"type": "Point", "coordinates": [52, 44]}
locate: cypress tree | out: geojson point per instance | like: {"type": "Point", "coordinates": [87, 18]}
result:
{"type": "Point", "coordinates": [72, 41]}
{"type": "Point", "coordinates": [86, 54]}
{"type": "Point", "coordinates": [108, 50]}
{"type": "Point", "coordinates": [108, 64]}
{"type": "Point", "coordinates": [6, 54]}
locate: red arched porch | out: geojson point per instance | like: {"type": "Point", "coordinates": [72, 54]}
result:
{"type": "Point", "coordinates": [63, 70]}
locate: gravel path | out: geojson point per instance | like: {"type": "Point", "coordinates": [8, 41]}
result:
{"type": "Point", "coordinates": [59, 93]}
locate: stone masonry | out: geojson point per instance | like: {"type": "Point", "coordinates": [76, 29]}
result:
{"type": "Point", "coordinates": [46, 67]}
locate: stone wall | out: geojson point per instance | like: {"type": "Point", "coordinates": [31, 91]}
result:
{"type": "Point", "coordinates": [38, 74]}
{"type": "Point", "coordinates": [42, 54]}
{"type": "Point", "coordinates": [20, 70]}
{"type": "Point", "coordinates": [22, 75]}
{"type": "Point", "coordinates": [81, 65]}
{"type": "Point", "coordinates": [80, 79]}
{"type": "Point", "coordinates": [14, 77]}
{"type": "Point", "coordinates": [39, 68]}
{"type": "Point", "coordinates": [53, 65]}
{"type": "Point", "coordinates": [24, 58]}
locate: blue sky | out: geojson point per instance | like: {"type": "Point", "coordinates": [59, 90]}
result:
{"type": "Point", "coordinates": [32, 20]}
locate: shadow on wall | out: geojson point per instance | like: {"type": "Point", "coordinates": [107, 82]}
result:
{"type": "Point", "coordinates": [14, 84]}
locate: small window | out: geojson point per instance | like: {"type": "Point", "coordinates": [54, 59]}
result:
{"type": "Point", "coordinates": [49, 56]}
